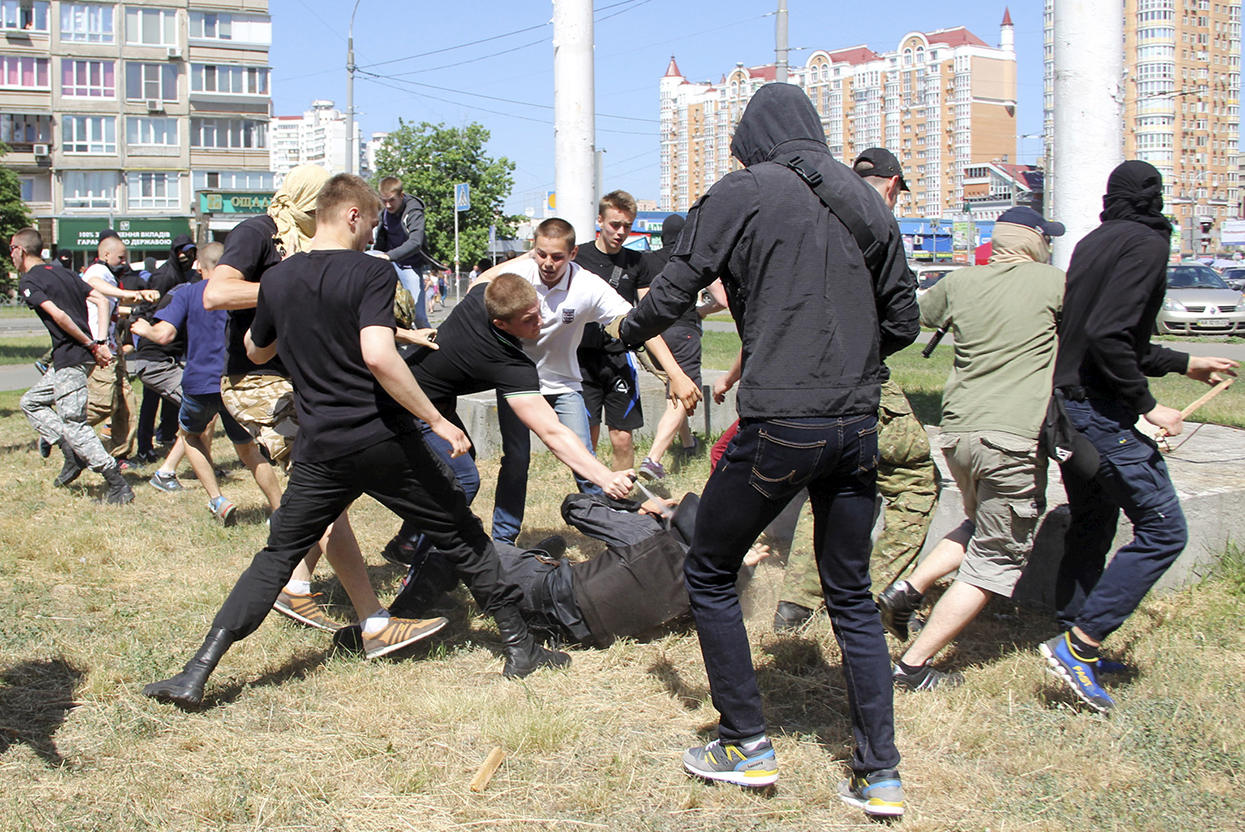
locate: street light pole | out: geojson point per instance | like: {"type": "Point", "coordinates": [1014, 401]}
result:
{"type": "Point", "coordinates": [351, 151]}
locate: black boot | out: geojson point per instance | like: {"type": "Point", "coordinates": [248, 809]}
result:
{"type": "Point", "coordinates": [186, 688]}
{"type": "Point", "coordinates": [523, 654]}
{"type": "Point", "coordinates": [74, 466]}
{"type": "Point", "coordinates": [790, 616]}
{"type": "Point", "coordinates": [119, 490]}
{"type": "Point", "coordinates": [897, 603]}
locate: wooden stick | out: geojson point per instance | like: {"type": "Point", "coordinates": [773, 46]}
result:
{"type": "Point", "coordinates": [1203, 399]}
{"type": "Point", "coordinates": [487, 769]}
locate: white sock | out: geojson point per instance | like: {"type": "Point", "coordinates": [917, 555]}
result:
{"type": "Point", "coordinates": [376, 622]}
{"type": "Point", "coordinates": [752, 743]}
{"type": "Point", "coordinates": [298, 587]}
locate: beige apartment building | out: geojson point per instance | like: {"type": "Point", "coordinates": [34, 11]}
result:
{"type": "Point", "coordinates": [145, 116]}
{"type": "Point", "coordinates": [941, 100]}
{"type": "Point", "coordinates": [1182, 114]}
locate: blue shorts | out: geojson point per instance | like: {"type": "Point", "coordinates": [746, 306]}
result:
{"type": "Point", "coordinates": [196, 414]}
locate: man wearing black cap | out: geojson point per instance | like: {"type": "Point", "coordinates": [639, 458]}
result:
{"type": "Point", "coordinates": [878, 163]}
{"type": "Point", "coordinates": [1116, 284]}
{"type": "Point", "coordinates": [1003, 316]}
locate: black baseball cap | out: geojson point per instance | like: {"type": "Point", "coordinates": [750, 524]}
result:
{"type": "Point", "coordinates": [878, 161]}
{"type": "Point", "coordinates": [1024, 215]}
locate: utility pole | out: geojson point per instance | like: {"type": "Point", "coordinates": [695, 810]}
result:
{"type": "Point", "coordinates": [780, 43]}
{"type": "Point", "coordinates": [574, 121]}
{"type": "Point", "coordinates": [1089, 76]}
{"type": "Point", "coordinates": [352, 152]}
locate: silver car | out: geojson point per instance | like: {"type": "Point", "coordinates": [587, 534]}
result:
{"type": "Point", "coordinates": [1198, 302]}
{"type": "Point", "coordinates": [1234, 276]}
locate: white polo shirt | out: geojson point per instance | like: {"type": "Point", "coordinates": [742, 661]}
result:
{"type": "Point", "coordinates": [578, 299]}
{"type": "Point", "coordinates": [105, 274]}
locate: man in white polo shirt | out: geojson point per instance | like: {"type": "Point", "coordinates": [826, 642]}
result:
{"type": "Point", "coordinates": [570, 298]}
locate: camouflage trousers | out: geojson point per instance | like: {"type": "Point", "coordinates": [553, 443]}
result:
{"type": "Point", "coordinates": [907, 485]}
{"type": "Point", "coordinates": [56, 408]}
{"type": "Point", "coordinates": [264, 405]}
{"type": "Point", "coordinates": [110, 396]}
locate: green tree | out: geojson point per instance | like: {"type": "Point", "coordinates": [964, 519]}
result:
{"type": "Point", "coordinates": [13, 215]}
{"type": "Point", "coordinates": [430, 159]}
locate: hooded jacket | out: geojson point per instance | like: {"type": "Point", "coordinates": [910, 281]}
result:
{"type": "Point", "coordinates": [408, 252]}
{"type": "Point", "coordinates": [172, 273]}
{"type": "Point", "coordinates": [1116, 282]}
{"type": "Point", "coordinates": [815, 324]}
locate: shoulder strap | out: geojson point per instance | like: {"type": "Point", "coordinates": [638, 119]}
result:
{"type": "Point", "coordinates": [871, 247]}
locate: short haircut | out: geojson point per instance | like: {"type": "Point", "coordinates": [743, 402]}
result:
{"type": "Point", "coordinates": [619, 201]}
{"type": "Point", "coordinates": [508, 295]}
{"type": "Point", "coordinates": [346, 189]}
{"type": "Point", "coordinates": [556, 228]}
{"type": "Point", "coordinates": [29, 239]}
{"type": "Point", "coordinates": [483, 264]}
{"type": "Point", "coordinates": [209, 255]}
{"type": "Point", "coordinates": [390, 184]}
{"type": "Point", "coordinates": [109, 244]}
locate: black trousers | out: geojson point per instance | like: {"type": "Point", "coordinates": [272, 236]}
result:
{"type": "Point", "coordinates": [403, 475]}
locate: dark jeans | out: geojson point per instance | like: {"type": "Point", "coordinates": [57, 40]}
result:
{"type": "Point", "coordinates": [767, 463]}
{"type": "Point", "coordinates": [1133, 477]}
{"type": "Point", "coordinates": [462, 468]}
{"type": "Point", "coordinates": [403, 475]}
{"type": "Point", "coordinates": [147, 421]}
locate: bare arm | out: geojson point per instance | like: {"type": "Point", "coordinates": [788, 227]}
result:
{"type": "Point", "coordinates": [132, 295]}
{"type": "Point", "coordinates": [536, 413]}
{"type": "Point", "coordinates": [381, 356]}
{"type": "Point", "coordinates": [501, 268]}
{"type": "Point", "coordinates": [418, 337]}
{"type": "Point", "coordinates": [162, 332]}
{"type": "Point", "coordinates": [258, 355]}
{"type": "Point", "coordinates": [718, 293]}
{"type": "Point", "coordinates": [103, 310]}
{"type": "Point", "coordinates": [228, 289]}
{"type": "Point", "coordinates": [682, 388]}
{"type": "Point", "coordinates": [726, 382]}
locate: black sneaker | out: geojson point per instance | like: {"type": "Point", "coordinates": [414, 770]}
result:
{"type": "Point", "coordinates": [896, 603]}
{"type": "Point", "coordinates": [72, 469]}
{"type": "Point", "coordinates": [791, 616]}
{"type": "Point", "coordinates": [924, 678]}
{"type": "Point", "coordinates": [45, 448]}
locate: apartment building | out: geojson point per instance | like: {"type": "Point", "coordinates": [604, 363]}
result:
{"type": "Point", "coordinates": [1182, 67]}
{"type": "Point", "coordinates": [133, 115]}
{"type": "Point", "coordinates": [941, 100]}
{"type": "Point", "coordinates": [317, 137]}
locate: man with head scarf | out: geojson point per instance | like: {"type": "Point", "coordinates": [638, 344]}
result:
{"type": "Point", "coordinates": [1116, 284]}
{"type": "Point", "coordinates": [816, 318]}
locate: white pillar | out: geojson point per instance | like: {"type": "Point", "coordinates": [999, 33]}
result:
{"type": "Point", "coordinates": [1089, 114]}
{"type": "Point", "coordinates": [780, 43]}
{"type": "Point", "coordinates": [574, 122]}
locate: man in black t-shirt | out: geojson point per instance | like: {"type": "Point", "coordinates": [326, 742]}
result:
{"type": "Point", "coordinates": [56, 405]}
{"type": "Point", "coordinates": [357, 404]}
{"type": "Point", "coordinates": [610, 377]}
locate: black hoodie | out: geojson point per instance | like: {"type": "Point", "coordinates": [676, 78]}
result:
{"type": "Point", "coordinates": [1116, 282]}
{"type": "Point", "coordinates": [815, 324]}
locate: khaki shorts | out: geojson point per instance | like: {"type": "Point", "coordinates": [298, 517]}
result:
{"type": "Point", "coordinates": [264, 405]}
{"type": "Point", "coordinates": [1002, 478]}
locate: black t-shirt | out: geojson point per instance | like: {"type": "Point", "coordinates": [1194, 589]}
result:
{"type": "Point", "coordinates": [474, 356]}
{"type": "Point", "coordinates": [626, 272]}
{"type": "Point", "coordinates": [314, 304]}
{"type": "Point", "coordinates": [52, 281]}
{"type": "Point", "coordinates": [656, 261]}
{"type": "Point", "coordinates": [251, 250]}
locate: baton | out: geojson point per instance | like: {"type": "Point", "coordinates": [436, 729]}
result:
{"type": "Point", "coordinates": [938, 335]}
{"type": "Point", "coordinates": [1203, 399]}
{"type": "Point", "coordinates": [657, 501]}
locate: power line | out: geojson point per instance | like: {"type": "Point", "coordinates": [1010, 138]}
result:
{"type": "Point", "coordinates": [458, 46]}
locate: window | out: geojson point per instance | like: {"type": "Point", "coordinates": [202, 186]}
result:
{"type": "Point", "coordinates": [151, 27]}
{"type": "Point", "coordinates": [229, 80]}
{"type": "Point", "coordinates": [18, 129]}
{"type": "Point", "coordinates": [24, 15]}
{"type": "Point", "coordinates": [36, 187]}
{"type": "Point", "coordinates": [224, 133]}
{"type": "Point", "coordinates": [23, 73]}
{"type": "Point", "coordinates": [88, 79]}
{"type": "Point", "coordinates": [233, 180]}
{"type": "Point", "coordinates": [86, 23]}
{"type": "Point", "coordinates": [142, 131]}
{"type": "Point", "coordinates": [239, 28]}
{"type": "Point", "coordinates": [150, 81]}
{"type": "Point", "coordinates": [90, 188]}
{"type": "Point", "coordinates": [89, 134]}
{"type": "Point", "coordinates": [153, 189]}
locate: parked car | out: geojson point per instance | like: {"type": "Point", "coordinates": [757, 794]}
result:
{"type": "Point", "coordinates": [1198, 301]}
{"type": "Point", "coordinates": [1234, 276]}
{"type": "Point", "coordinates": [929, 274]}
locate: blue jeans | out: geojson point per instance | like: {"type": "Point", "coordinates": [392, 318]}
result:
{"type": "Point", "coordinates": [767, 463]}
{"type": "Point", "coordinates": [465, 474]}
{"type": "Point", "coordinates": [516, 453]}
{"type": "Point", "coordinates": [1131, 477]}
{"type": "Point", "coordinates": [412, 280]}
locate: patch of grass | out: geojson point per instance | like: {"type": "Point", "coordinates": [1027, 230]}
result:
{"type": "Point", "coordinates": [718, 350]}
{"type": "Point", "coordinates": [18, 310]}
{"type": "Point", "coordinates": [23, 350]}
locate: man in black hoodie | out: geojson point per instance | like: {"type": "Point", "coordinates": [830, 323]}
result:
{"type": "Point", "coordinates": [1116, 284]}
{"type": "Point", "coordinates": [815, 325]}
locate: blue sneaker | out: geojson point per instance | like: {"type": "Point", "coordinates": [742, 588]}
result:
{"type": "Point", "coordinates": [1076, 672]}
{"type": "Point", "coordinates": [729, 763]}
{"type": "Point", "coordinates": [879, 794]}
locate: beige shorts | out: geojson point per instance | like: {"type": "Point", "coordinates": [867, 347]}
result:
{"type": "Point", "coordinates": [264, 405]}
{"type": "Point", "coordinates": [1002, 478]}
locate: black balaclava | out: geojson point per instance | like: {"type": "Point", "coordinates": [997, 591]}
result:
{"type": "Point", "coordinates": [1135, 192]}
{"type": "Point", "coordinates": [670, 228]}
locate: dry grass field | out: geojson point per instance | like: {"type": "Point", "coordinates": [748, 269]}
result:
{"type": "Point", "coordinates": [99, 600]}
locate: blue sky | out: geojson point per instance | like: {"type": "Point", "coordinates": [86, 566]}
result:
{"type": "Point", "coordinates": [506, 83]}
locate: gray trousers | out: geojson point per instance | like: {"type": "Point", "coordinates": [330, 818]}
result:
{"type": "Point", "coordinates": [56, 408]}
{"type": "Point", "coordinates": [163, 377]}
